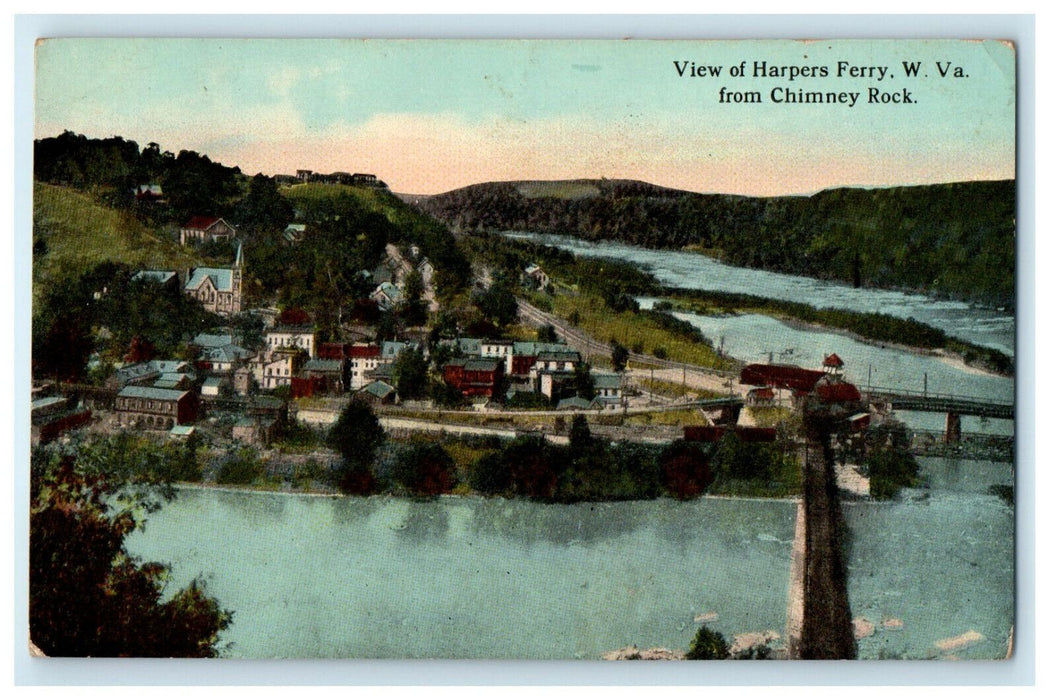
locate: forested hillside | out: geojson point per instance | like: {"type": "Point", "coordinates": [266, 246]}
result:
{"type": "Point", "coordinates": [951, 239]}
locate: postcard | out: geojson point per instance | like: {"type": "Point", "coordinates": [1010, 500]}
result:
{"type": "Point", "coordinates": [539, 349]}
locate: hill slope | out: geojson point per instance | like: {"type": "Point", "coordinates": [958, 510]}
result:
{"type": "Point", "coordinates": [951, 239]}
{"type": "Point", "coordinates": [72, 234]}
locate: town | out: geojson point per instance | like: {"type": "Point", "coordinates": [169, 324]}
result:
{"type": "Point", "coordinates": [483, 362]}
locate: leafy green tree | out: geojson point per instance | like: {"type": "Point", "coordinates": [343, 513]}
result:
{"type": "Point", "coordinates": [356, 436]}
{"type": "Point", "coordinates": [240, 466]}
{"type": "Point", "coordinates": [491, 475]}
{"type": "Point", "coordinates": [497, 303]}
{"type": "Point", "coordinates": [88, 596]}
{"type": "Point", "coordinates": [263, 208]}
{"type": "Point", "coordinates": [411, 374]}
{"type": "Point", "coordinates": [547, 334]}
{"type": "Point", "coordinates": [708, 645]}
{"type": "Point", "coordinates": [618, 356]}
{"type": "Point", "coordinates": [890, 469]}
{"type": "Point", "coordinates": [583, 382]}
{"type": "Point", "coordinates": [425, 469]}
{"type": "Point", "coordinates": [580, 440]}
{"type": "Point", "coordinates": [413, 309]}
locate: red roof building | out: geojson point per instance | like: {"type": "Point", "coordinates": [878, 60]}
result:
{"type": "Point", "coordinates": [833, 364]}
{"type": "Point", "coordinates": [206, 228]}
{"type": "Point", "coordinates": [781, 377]}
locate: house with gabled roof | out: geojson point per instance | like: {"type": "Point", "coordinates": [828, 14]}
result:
{"type": "Point", "coordinates": [387, 295]}
{"type": "Point", "coordinates": [203, 229]}
{"type": "Point", "coordinates": [218, 289]}
{"type": "Point", "coordinates": [165, 278]}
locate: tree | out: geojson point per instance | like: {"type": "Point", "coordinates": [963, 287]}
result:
{"type": "Point", "coordinates": [580, 440]}
{"type": "Point", "coordinates": [263, 208]}
{"type": "Point", "coordinates": [583, 382]}
{"type": "Point", "coordinates": [618, 356]}
{"type": "Point", "coordinates": [425, 470]}
{"type": "Point", "coordinates": [413, 309]}
{"type": "Point", "coordinates": [708, 645]}
{"type": "Point", "coordinates": [411, 374]}
{"type": "Point", "coordinates": [498, 303]}
{"type": "Point", "coordinates": [356, 436]}
{"type": "Point", "coordinates": [686, 470]}
{"type": "Point", "coordinates": [88, 596]}
{"type": "Point", "coordinates": [547, 334]}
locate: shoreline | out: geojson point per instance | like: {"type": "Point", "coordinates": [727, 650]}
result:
{"type": "Point", "coordinates": [202, 486]}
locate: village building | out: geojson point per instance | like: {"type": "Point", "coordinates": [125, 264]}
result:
{"type": "Point", "coordinates": [143, 373]}
{"type": "Point", "coordinates": [378, 393]}
{"type": "Point", "coordinates": [165, 278]}
{"type": "Point", "coordinates": [535, 277]}
{"type": "Point", "coordinates": [609, 389]}
{"type": "Point", "coordinates": [150, 193]}
{"type": "Point", "coordinates": [387, 295]}
{"type": "Point", "coordinates": [275, 368]}
{"type": "Point", "coordinates": [556, 384]}
{"type": "Point", "coordinates": [474, 376]}
{"type": "Point", "coordinates": [213, 387]}
{"type": "Point", "coordinates": [362, 359]}
{"type": "Point", "coordinates": [156, 408]}
{"type": "Point", "coordinates": [300, 337]}
{"type": "Point", "coordinates": [218, 289]}
{"type": "Point", "coordinates": [833, 365]}
{"type": "Point", "coordinates": [499, 349]}
{"type": "Point", "coordinates": [294, 233]}
{"type": "Point", "coordinates": [324, 376]}
{"type": "Point", "coordinates": [204, 229]}
{"type": "Point", "coordinates": [259, 430]}
{"type": "Point", "coordinates": [561, 361]}
{"type": "Point", "coordinates": [577, 403]}
{"type": "Point", "coordinates": [759, 397]}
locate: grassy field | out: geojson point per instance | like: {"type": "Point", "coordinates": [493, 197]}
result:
{"type": "Point", "coordinates": [634, 330]}
{"type": "Point", "coordinates": [373, 199]}
{"type": "Point", "coordinates": [560, 189]}
{"type": "Point", "coordinates": [76, 234]}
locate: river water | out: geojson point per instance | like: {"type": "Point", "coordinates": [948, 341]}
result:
{"type": "Point", "coordinates": [674, 268]}
{"type": "Point", "coordinates": [489, 578]}
{"type": "Point", "coordinates": [471, 577]}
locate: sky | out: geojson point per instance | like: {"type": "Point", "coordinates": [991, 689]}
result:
{"type": "Point", "coordinates": [431, 116]}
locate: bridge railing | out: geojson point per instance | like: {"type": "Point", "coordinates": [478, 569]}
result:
{"type": "Point", "coordinates": [891, 392]}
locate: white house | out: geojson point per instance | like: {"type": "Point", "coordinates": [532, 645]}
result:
{"type": "Point", "coordinates": [299, 337]}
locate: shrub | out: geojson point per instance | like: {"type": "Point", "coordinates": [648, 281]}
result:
{"type": "Point", "coordinates": [708, 645]}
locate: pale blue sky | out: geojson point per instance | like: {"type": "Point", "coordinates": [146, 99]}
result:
{"type": "Point", "coordinates": [431, 116]}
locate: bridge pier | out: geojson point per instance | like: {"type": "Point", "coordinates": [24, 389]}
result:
{"type": "Point", "coordinates": [952, 431]}
{"type": "Point", "coordinates": [729, 415]}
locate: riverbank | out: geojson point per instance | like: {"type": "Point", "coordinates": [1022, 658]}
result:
{"type": "Point", "coordinates": [879, 330]}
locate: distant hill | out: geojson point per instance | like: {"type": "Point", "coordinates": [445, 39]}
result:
{"type": "Point", "coordinates": [952, 239]}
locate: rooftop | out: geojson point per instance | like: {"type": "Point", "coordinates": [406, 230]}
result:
{"type": "Point", "coordinates": [221, 278]}
{"type": "Point", "coordinates": [150, 392]}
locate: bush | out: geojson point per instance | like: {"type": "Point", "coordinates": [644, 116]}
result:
{"type": "Point", "coordinates": [708, 645]}
{"type": "Point", "coordinates": [425, 470]}
{"type": "Point", "coordinates": [686, 470]}
{"type": "Point", "coordinates": [240, 467]}
{"type": "Point", "coordinates": [889, 470]}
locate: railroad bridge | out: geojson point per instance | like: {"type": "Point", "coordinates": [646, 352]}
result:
{"type": "Point", "coordinates": [954, 405]}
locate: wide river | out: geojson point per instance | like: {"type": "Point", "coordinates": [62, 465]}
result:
{"type": "Point", "coordinates": [693, 271]}
{"type": "Point", "coordinates": [462, 577]}
{"type": "Point", "coordinates": [488, 578]}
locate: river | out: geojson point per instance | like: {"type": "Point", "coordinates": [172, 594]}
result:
{"type": "Point", "coordinates": [488, 578]}
{"type": "Point", "coordinates": [990, 328]}
{"type": "Point", "coordinates": [471, 577]}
